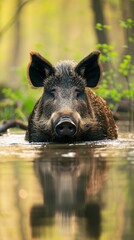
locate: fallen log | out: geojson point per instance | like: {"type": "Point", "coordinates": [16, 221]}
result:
{"type": "Point", "coordinates": [12, 124]}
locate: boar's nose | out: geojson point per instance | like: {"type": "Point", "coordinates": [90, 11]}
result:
{"type": "Point", "coordinates": [65, 126]}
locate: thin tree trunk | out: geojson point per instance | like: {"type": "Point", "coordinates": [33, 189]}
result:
{"type": "Point", "coordinates": [17, 38]}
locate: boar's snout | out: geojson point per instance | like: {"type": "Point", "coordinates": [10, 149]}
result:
{"type": "Point", "coordinates": [65, 127]}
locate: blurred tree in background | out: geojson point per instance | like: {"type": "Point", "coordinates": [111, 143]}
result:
{"type": "Point", "coordinates": [60, 30]}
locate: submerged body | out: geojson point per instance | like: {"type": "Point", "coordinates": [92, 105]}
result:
{"type": "Point", "coordinates": [68, 110]}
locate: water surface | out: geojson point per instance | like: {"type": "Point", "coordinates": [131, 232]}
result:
{"type": "Point", "coordinates": [66, 191]}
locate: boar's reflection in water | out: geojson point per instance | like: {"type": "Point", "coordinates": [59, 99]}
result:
{"type": "Point", "coordinates": [68, 110]}
{"type": "Point", "coordinates": [72, 188]}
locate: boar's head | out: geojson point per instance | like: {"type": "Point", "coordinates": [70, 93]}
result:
{"type": "Point", "coordinates": [67, 109]}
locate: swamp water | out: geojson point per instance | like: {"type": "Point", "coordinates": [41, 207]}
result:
{"type": "Point", "coordinates": [66, 191]}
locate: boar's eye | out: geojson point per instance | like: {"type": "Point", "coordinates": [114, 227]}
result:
{"type": "Point", "coordinates": [79, 93]}
{"type": "Point", "coordinates": [52, 92]}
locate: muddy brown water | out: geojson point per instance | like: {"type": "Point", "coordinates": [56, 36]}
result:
{"type": "Point", "coordinates": [66, 191]}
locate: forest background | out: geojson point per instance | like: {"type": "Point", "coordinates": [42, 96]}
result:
{"type": "Point", "coordinates": [65, 29]}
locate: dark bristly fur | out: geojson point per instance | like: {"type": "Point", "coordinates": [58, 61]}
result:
{"type": "Point", "coordinates": [67, 92]}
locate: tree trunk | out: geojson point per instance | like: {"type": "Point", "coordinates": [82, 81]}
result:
{"type": "Point", "coordinates": [128, 12]}
{"type": "Point", "coordinates": [17, 38]}
{"type": "Point", "coordinates": [99, 18]}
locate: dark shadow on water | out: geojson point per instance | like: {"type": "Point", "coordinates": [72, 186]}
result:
{"type": "Point", "coordinates": [71, 183]}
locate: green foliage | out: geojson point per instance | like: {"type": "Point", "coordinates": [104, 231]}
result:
{"type": "Point", "coordinates": [126, 67]}
{"type": "Point", "coordinates": [107, 52]}
{"type": "Point", "coordinates": [101, 27]}
{"type": "Point", "coordinates": [118, 77]}
{"type": "Point", "coordinates": [128, 23]}
{"type": "Point", "coordinates": [18, 103]}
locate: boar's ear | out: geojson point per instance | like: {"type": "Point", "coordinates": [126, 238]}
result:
{"type": "Point", "coordinates": [38, 69]}
{"type": "Point", "coordinates": [90, 69]}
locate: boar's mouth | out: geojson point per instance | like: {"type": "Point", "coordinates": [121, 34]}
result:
{"type": "Point", "coordinates": [64, 128]}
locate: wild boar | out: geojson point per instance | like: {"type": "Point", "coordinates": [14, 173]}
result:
{"type": "Point", "coordinates": [68, 110]}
